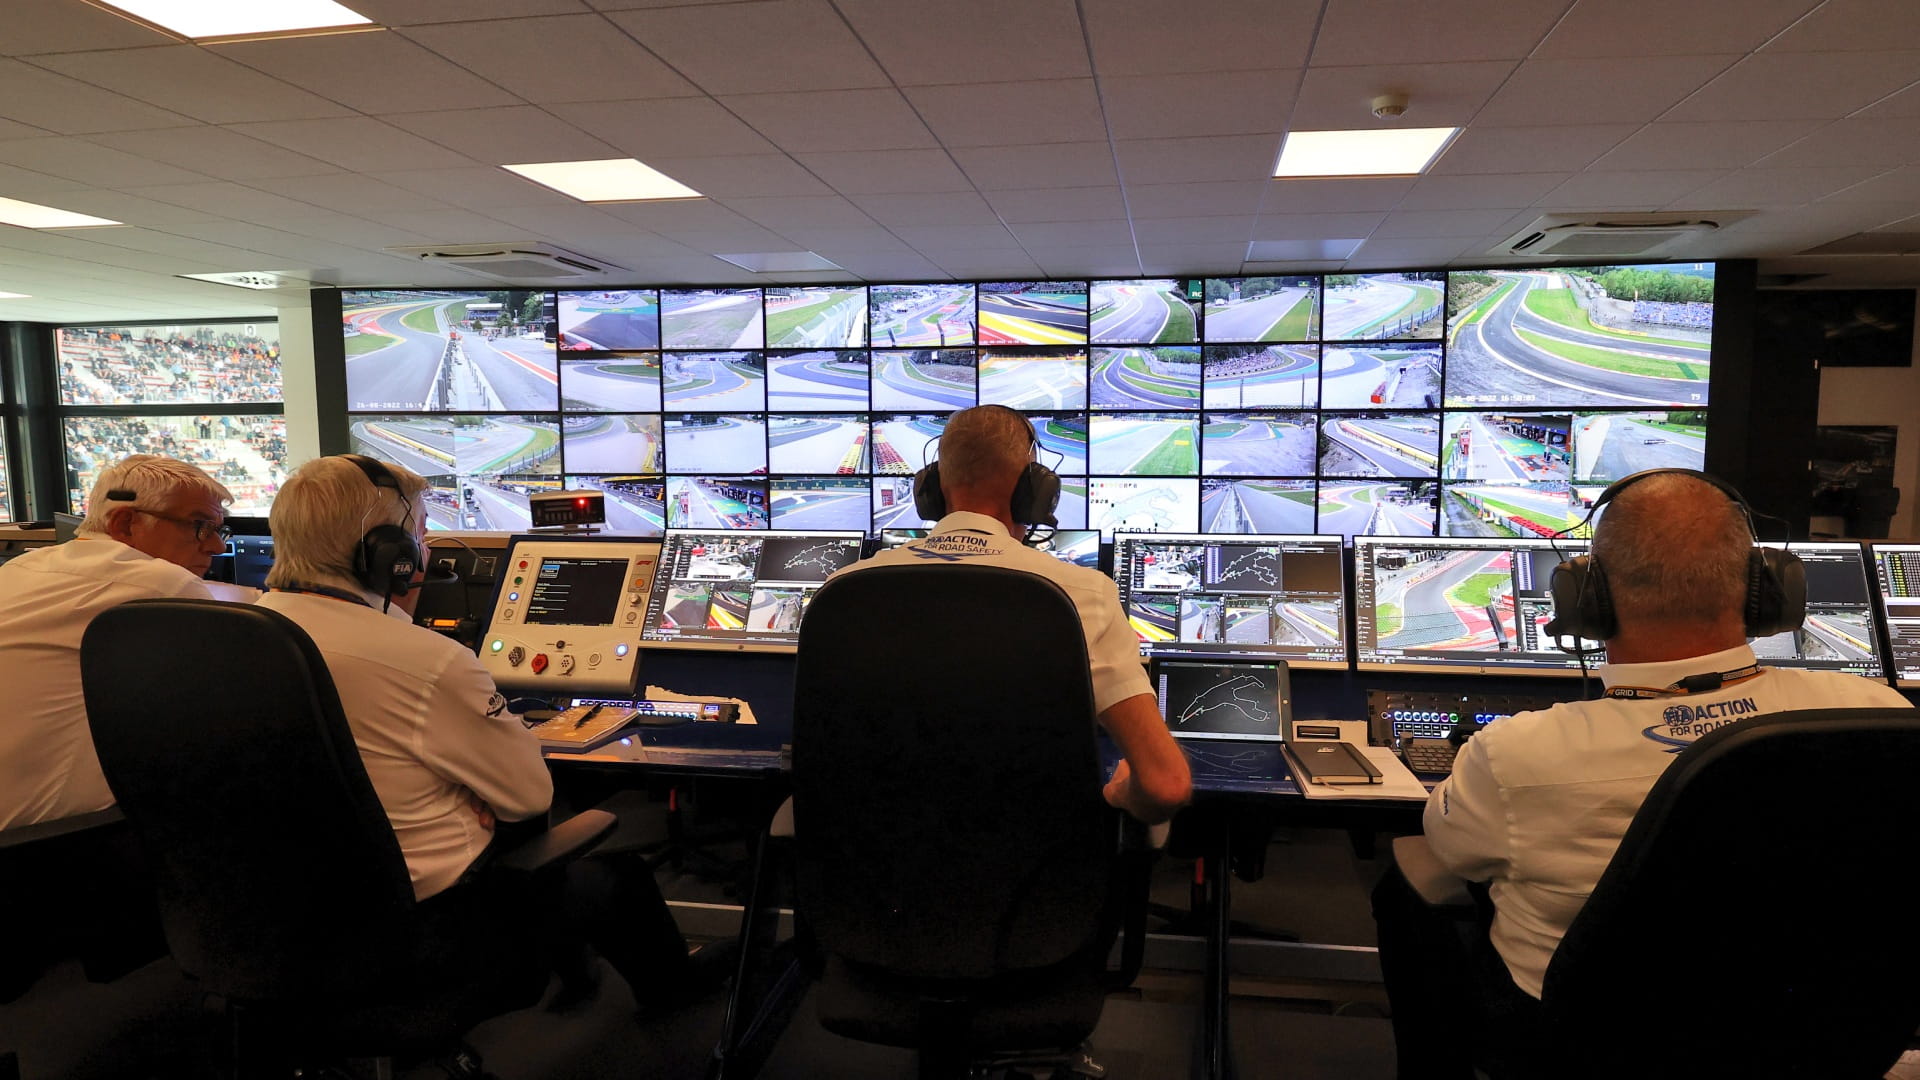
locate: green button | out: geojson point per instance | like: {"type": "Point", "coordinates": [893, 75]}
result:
{"type": "Point", "coordinates": [497, 643]}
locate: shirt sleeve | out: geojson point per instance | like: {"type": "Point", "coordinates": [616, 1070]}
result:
{"type": "Point", "coordinates": [470, 739]}
{"type": "Point", "coordinates": [1113, 650]}
{"type": "Point", "coordinates": [1466, 817]}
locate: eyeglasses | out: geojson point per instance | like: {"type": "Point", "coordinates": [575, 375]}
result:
{"type": "Point", "coordinates": [201, 526]}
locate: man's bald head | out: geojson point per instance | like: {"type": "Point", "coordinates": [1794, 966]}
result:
{"type": "Point", "coordinates": [983, 451]}
{"type": "Point", "coordinates": [1674, 549]}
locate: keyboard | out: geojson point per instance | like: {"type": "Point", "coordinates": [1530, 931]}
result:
{"type": "Point", "coordinates": [1434, 756]}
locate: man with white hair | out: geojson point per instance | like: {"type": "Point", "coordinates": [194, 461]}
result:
{"type": "Point", "coordinates": [152, 528]}
{"type": "Point", "coordinates": [1537, 803]}
{"type": "Point", "coordinates": [445, 757]}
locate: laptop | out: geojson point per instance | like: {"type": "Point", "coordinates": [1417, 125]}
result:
{"type": "Point", "coordinates": [1229, 716]}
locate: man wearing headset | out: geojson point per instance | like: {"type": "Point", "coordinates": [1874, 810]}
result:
{"type": "Point", "coordinates": [984, 491]}
{"type": "Point", "coordinates": [444, 755]}
{"type": "Point", "coordinates": [1537, 803]}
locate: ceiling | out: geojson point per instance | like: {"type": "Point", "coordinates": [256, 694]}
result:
{"type": "Point", "coordinates": [912, 139]}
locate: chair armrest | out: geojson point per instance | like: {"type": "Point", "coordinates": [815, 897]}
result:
{"type": "Point", "coordinates": [23, 835]}
{"type": "Point", "coordinates": [1133, 880]}
{"type": "Point", "coordinates": [1432, 881]}
{"type": "Point", "coordinates": [561, 844]}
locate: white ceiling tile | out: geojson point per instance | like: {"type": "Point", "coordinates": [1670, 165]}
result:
{"type": "Point", "coordinates": [447, 226]}
{"type": "Point", "coordinates": [1380, 253]}
{"type": "Point", "coordinates": [1646, 190]}
{"type": "Point", "coordinates": [993, 168]}
{"type": "Point", "coordinates": [1184, 161]}
{"type": "Point", "coordinates": [1151, 37]}
{"type": "Point", "coordinates": [1011, 113]}
{"type": "Point", "coordinates": [893, 267]}
{"type": "Point", "coordinates": [1195, 230]}
{"type": "Point", "coordinates": [195, 82]}
{"type": "Point", "coordinates": [1728, 145]}
{"type": "Point", "coordinates": [903, 211]}
{"type": "Point", "coordinates": [1333, 196]}
{"type": "Point", "coordinates": [1012, 266]}
{"type": "Point", "coordinates": [677, 214]}
{"type": "Point", "coordinates": [1839, 218]}
{"type": "Point", "coordinates": [677, 127]}
{"type": "Point", "coordinates": [1787, 86]}
{"type": "Point", "coordinates": [837, 243]}
{"type": "Point", "coordinates": [589, 231]}
{"type": "Point", "coordinates": [757, 48]}
{"type": "Point", "coordinates": [512, 135]}
{"type": "Point", "coordinates": [90, 164]}
{"type": "Point", "coordinates": [360, 143]}
{"type": "Point", "coordinates": [1227, 103]}
{"type": "Point", "coordinates": [948, 238]}
{"type": "Point", "coordinates": [1860, 141]}
{"type": "Point", "coordinates": [13, 129]}
{"type": "Point", "coordinates": [804, 211]}
{"type": "Point", "coordinates": [1899, 105]}
{"type": "Point", "coordinates": [1424, 224]}
{"type": "Point", "coordinates": [306, 250]}
{"type": "Point", "coordinates": [1607, 28]}
{"type": "Point", "coordinates": [1197, 259]}
{"type": "Point", "coordinates": [1474, 192]}
{"type": "Point", "coordinates": [475, 189]}
{"type": "Point", "coordinates": [1851, 25]}
{"type": "Point", "coordinates": [1064, 234]}
{"type": "Point", "coordinates": [1117, 260]}
{"type": "Point", "coordinates": [34, 186]}
{"type": "Point", "coordinates": [43, 99]}
{"type": "Point", "coordinates": [887, 172]}
{"type": "Point", "coordinates": [228, 200]}
{"type": "Point", "coordinates": [350, 193]}
{"type": "Point", "coordinates": [350, 230]}
{"type": "Point", "coordinates": [1778, 187]}
{"type": "Point", "coordinates": [742, 176]}
{"type": "Point", "coordinates": [1282, 227]}
{"type": "Point", "coordinates": [826, 121]}
{"type": "Point", "coordinates": [220, 153]}
{"type": "Point", "coordinates": [1291, 254]}
{"type": "Point", "coordinates": [745, 236]}
{"type": "Point", "coordinates": [1529, 149]}
{"type": "Point", "coordinates": [50, 26]}
{"type": "Point", "coordinates": [1057, 204]}
{"type": "Point", "coordinates": [1438, 95]}
{"type": "Point", "coordinates": [132, 209]}
{"type": "Point", "coordinates": [1149, 201]}
{"type": "Point", "coordinates": [559, 58]}
{"type": "Point", "coordinates": [186, 247]}
{"type": "Point", "coordinates": [1360, 32]}
{"type": "Point", "coordinates": [370, 72]}
{"type": "Point", "coordinates": [1638, 90]}
{"type": "Point", "coordinates": [412, 12]}
{"type": "Point", "coordinates": [987, 41]}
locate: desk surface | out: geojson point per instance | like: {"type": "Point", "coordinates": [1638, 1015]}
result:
{"type": "Point", "coordinates": [697, 747]}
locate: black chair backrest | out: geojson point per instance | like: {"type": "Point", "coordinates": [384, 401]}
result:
{"type": "Point", "coordinates": [222, 737]}
{"type": "Point", "coordinates": [947, 808]}
{"type": "Point", "coordinates": [1759, 917]}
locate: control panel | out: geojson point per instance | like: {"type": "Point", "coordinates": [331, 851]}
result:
{"type": "Point", "coordinates": [566, 616]}
{"type": "Point", "coordinates": [1394, 716]}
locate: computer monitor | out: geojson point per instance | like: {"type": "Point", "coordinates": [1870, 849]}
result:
{"type": "Point", "coordinates": [1225, 595]}
{"type": "Point", "coordinates": [566, 615]}
{"type": "Point", "coordinates": [65, 526]}
{"type": "Point", "coordinates": [1081, 547]}
{"type": "Point", "coordinates": [1248, 700]}
{"type": "Point", "coordinates": [1839, 633]}
{"type": "Point", "coordinates": [1896, 569]}
{"type": "Point", "coordinates": [249, 554]}
{"type": "Point", "coordinates": [740, 591]}
{"type": "Point", "coordinates": [1463, 605]}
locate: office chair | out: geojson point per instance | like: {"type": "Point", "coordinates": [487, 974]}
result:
{"type": "Point", "coordinates": [954, 857]}
{"type": "Point", "coordinates": [79, 906]}
{"type": "Point", "coordinates": [282, 888]}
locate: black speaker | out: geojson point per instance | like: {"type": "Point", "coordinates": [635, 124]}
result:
{"type": "Point", "coordinates": [387, 556]}
{"type": "Point", "coordinates": [1035, 494]}
{"type": "Point", "coordinates": [1776, 579]}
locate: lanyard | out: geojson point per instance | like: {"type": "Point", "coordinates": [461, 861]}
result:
{"type": "Point", "coordinates": [322, 590]}
{"type": "Point", "coordinates": [1692, 684]}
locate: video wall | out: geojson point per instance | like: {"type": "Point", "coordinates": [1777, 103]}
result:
{"type": "Point", "coordinates": [1467, 403]}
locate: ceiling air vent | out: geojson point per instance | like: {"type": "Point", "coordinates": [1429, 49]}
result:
{"type": "Point", "coordinates": [509, 262]}
{"type": "Point", "coordinates": [1564, 236]}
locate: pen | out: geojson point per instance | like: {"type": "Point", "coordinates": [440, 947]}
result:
{"type": "Point", "coordinates": [588, 715]}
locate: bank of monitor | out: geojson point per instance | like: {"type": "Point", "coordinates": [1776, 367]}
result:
{"type": "Point", "coordinates": [1457, 604]}
{"type": "Point", "coordinates": [740, 591]}
{"type": "Point", "coordinates": [1188, 594]}
{"type": "Point", "coordinates": [1839, 633]}
{"type": "Point", "coordinates": [1081, 547]}
{"type": "Point", "coordinates": [1896, 569]}
{"type": "Point", "coordinates": [567, 615]}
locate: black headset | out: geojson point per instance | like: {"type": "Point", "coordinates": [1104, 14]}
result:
{"type": "Point", "coordinates": [1776, 578]}
{"type": "Point", "coordinates": [1035, 494]}
{"type": "Point", "coordinates": [385, 559]}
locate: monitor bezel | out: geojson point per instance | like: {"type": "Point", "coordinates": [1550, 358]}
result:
{"type": "Point", "coordinates": [1150, 651]}
{"type": "Point", "coordinates": [1283, 707]}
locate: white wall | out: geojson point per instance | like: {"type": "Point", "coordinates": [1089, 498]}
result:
{"type": "Point", "coordinates": [1880, 397]}
{"type": "Point", "coordinates": [296, 366]}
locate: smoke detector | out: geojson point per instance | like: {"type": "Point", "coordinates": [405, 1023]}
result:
{"type": "Point", "coordinates": [523, 261]}
{"type": "Point", "coordinates": [1389, 106]}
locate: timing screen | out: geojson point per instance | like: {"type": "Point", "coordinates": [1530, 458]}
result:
{"type": "Point", "coordinates": [1457, 603]}
{"type": "Point", "coordinates": [1897, 567]}
{"type": "Point", "coordinates": [1838, 634]}
{"type": "Point", "coordinates": [1220, 701]}
{"type": "Point", "coordinates": [576, 592]}
{"type": "Point", "coordinates": [1240, 596]}
{"type": "Point", "coordinates": [739, 588]}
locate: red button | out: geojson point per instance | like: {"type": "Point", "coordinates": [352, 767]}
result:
{"type": "Point", "coordinates": [523, 564]}
{"type": "Point", "coordinates": [539, 662]}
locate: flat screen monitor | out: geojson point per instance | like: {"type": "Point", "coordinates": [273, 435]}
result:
{"type": "Point", "coordinates": [740, 591]}
{"type": "Point", "coordinates": [65, 526]}
{"type": "Point", "coordinates": [566, 615]}
{"type": "Point", "coordinates": [1896, 569]}
{"type": "Point", "coordinates": [1081, 547]}
{"type": "Point", "coordinates": [1839, 633]}
{"type": "Point", "coordinates": [1457, 604]}
{"type": "Point", "coordinates": [1241, 595]}
{"type": "Point", "coordinates": [1223, 699]}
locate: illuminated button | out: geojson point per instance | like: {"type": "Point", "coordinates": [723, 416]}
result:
{"type": "Point", "coordinates": [517, 581]}
{"type": "Point", "coordinates": [523, 564]}
{"type": "Point", "coordinates": [515, 655]}
{"type": "Point", "coordinates": [566, 663]}
{"type": "Point", "coordinates": [620, 649]}
{"type": "Point", "coordinates": [498, 644]}
{"type": "Point", "coordinates": [513, 597]}
{"type": "Point", "coordinates": [539, 662]}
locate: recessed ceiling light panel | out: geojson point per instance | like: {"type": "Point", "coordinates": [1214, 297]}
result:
{"type": "Point", "coordinates": [1371, 152]}
{"type": "Point", "coordinates": [779, 262]}
{"type": "Point", "coordinates": [206, 19]}
{"type": "Point", "coordinates": [34, 216]}
{"type": "Point", "coordinates": [609, 180]}
{"type": "Point", "coordinates": [14, 296]}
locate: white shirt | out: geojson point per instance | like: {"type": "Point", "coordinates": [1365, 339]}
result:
{"type": "Point", "coordinates": [967, 539]}
{"type": "Point", "coordinates": [48, 767]}
{"type": "Point", "coordinates": [1538, 802]}
{"type": "Point", "coordinates": [431, 728]}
